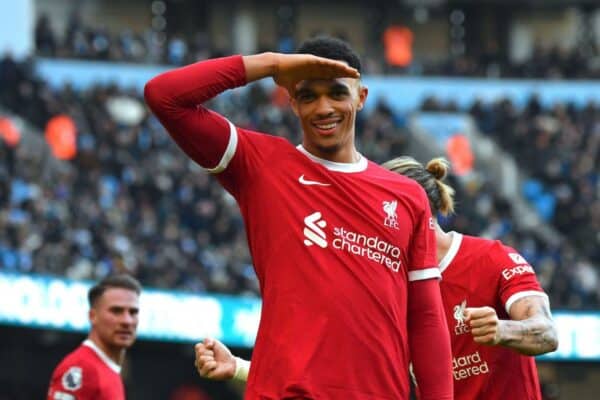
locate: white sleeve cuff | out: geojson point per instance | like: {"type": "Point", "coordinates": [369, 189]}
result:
{"type": "Point", "coordinates": [422, 274]}
{"type": "Point", "coordinates": [242, 367]}
{"type": "Point", "coordinates": [519, 295]}
{"type": "Point", "coordinates": [229, 151]}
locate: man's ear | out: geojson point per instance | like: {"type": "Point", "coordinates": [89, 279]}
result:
{"type": "Point", "coordinates": [294, 106]}
{"type": "Point", "coordinates": [92, 316]}
{"type": "Point", "coordinates": [363, 93]}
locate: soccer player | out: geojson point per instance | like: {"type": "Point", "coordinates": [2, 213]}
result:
{"type": "Point", "coordinates": [498, 315]}
{"type": "Point", "coordinates": [92, 370]}
{"type": "Point", "coordinates": [343, 249]}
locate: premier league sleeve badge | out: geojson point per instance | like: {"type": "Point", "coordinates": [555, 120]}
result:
{"type": "Point", "coordinates": [72, 379]}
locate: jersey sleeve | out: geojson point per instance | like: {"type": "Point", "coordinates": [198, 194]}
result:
{"type": "Point", "coordinates": [176, 98]}
{"type": "Point", "coordinates": [517, 276]}
{"type": "Point", "coordinates": [422, 260]}
{"type": "Point", "coordinates": [73, 381]}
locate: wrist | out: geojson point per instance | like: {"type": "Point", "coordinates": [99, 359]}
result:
{"type": "Point", "coordinates": [259, 66]}
{"type": "Point", "coordinates": [242, 368]}
{"type": "Point", "coordinates": [506, 335]}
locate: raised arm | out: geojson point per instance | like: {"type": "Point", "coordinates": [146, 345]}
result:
{"type": "Point", "coordinates": [530, 331]}
{"type": "Point", "coordinates": [176, 96]}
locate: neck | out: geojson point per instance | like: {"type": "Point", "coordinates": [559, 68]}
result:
{"type": "Point", "coordinates": [116, 354]}
{"type": "Point", "coordinates": [443, 241]}
{"type": "Point", "coordinates": [344, 153]}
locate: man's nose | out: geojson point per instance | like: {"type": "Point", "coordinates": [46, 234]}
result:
{"type": "Point", "coordinates": [128, 318]}
{"type": "Point", "coordinates": [324, 106]}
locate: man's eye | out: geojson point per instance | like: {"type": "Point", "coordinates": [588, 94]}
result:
{"type": "Point", "coordinates": [305, 97]}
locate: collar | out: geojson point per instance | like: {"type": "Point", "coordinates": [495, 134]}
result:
{"type": "Point", "coordinates": [454, 246]}
{"type": "Point", "coordinates": [358, 166]}
{"type": "Point", "coordinates": [111, 364]}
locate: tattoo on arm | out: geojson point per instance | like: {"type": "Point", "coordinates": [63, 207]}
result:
{"type": "Point", "coordinates": [531, 330]}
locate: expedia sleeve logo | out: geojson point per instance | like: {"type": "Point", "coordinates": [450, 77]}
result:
{"type": "Point", "coordinates": [522, 267]}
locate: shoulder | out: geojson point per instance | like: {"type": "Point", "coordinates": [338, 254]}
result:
{"type": "Point", "coordinates": [403, 186]}
{"type": "Point", "coordinates": [496, 256]}
{"type": "Point", "coordinates": [76, 371]}
{"type": "Point", "coordinates": [262, 137]}
{"type": "Point", "coordinates": [475, 253]}
{"type": "Point", "coordinates": [262, 144]}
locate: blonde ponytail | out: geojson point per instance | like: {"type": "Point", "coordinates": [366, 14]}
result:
{"type": "Point", "coordinates": [441, 195]}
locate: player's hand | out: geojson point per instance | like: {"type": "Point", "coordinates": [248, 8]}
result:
{"type": "Point", "coordinates": [484, 324]}
{"type": "Point", "coordinates": [293, 68]}
{"type": "Point", "coordinates": [214, 360]}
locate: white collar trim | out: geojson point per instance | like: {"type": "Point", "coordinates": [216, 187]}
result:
{"type": "Point", "coordinates": [454, 246]}
{"type": "Point", "coordinates": [111, 364]}
{"type": "Point", "coordinates": [358, 166]}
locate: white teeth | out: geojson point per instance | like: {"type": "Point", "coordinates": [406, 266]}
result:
{"type": "Point", "coordinates": [328, 126]}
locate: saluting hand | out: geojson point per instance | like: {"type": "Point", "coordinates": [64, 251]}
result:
{"type": "Point", "coordinates": [293, 68]}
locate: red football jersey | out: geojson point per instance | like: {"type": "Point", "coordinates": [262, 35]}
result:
{"type": "Point", "coordinates": [333, 245]}
{"type": "Point", "coordinates": [86, 374]}
{"type": "Point", "coordinates": [478, 272]}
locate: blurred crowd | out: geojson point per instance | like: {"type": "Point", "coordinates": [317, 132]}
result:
{"type": "Point", "coordinates": [99, 43]}
{"type": "Point", "coordinates": [559, 148]}
{"type": "Point", "coordinates": [546, 62]}
{"type": "Point", "coordinates": [82, 41]}
{"type": "Point", "coordinates": [132, 201]}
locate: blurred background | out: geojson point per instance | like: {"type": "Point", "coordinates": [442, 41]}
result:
{"type": "Point", "coordinates": [90, 183]}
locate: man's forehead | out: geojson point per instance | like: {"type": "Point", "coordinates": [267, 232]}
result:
{"type": "Point", "coordinates": [119, 297]}
{"type": "Point", "coordinates": [328, 83]}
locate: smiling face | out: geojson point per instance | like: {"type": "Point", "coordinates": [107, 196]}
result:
{"type": "Point", "coordinates": [327, 110]}
{"type": "Point", "coordinates": [114, 319]}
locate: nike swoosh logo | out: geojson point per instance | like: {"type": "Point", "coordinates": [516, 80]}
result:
{"type": "Point", "coordinates": [310, 183]}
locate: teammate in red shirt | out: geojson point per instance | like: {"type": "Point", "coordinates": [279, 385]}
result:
{"type": "Point", "coordinates": [92, 371]}
{"type": "Point", "coordinates": [497, 313]}
{"type": "Point", "coordinates": [343, 249]}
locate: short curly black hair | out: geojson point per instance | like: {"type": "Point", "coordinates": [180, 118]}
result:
{"type": "Point", "coordinates": [330, 47]}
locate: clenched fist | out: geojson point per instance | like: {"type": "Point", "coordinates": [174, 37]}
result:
{"type": "Point", "coordinates": [485, 325]}
{"type": "Point", "coordinates": [214, 360]}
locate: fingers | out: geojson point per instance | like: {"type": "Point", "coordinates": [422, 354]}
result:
{"type": "Point", "coordinates": [205, 357]}
{"type": "Point", "coordinates": [477, 313]}
{"type": "Point", "coordinates": [334, 68]}
{"type": "Point", "coordinates": [205, 363]}
{"type": "Point", "coordinates": [206, 367]}
{"type": "Point", "coordinates": [485, 339]}
{"type": "Point", "coordinates": [483, 323]}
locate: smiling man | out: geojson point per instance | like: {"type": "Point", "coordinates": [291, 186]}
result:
{"type": "Point", "coordinates": [92, 371]}
{"type": "Point", "coordinates": [342, 248]}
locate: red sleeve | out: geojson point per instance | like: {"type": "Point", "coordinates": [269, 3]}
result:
{"type": "Point", "coordinates": [429, 341]}
{"type": "Point", "coordinates": [175, 97]}
{"type": "Point", "coordinates": [422, 260]}
{"type": "Point", "coordinates": [517, 276]}
{"type": "Point", "coordinates": [73, 381]}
